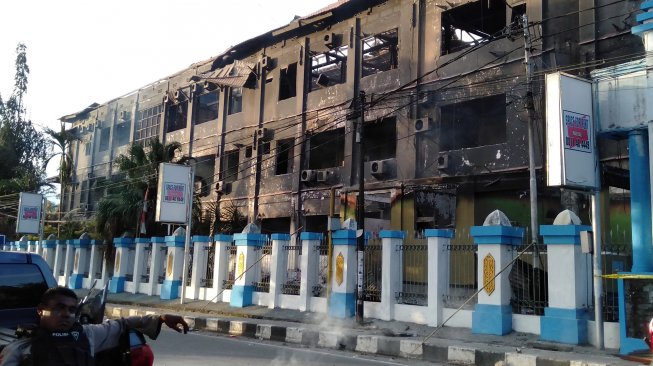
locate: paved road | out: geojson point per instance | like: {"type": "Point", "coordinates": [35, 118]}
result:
{"type": "Point", "coordinates": [199, 349]}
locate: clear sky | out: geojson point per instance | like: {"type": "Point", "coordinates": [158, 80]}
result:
{"type": "Point", "coordinates": [81, 51]}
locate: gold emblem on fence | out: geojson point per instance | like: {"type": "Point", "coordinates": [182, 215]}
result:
{"type": "Point", "coordinates": [340, 268]}
{"type": "Point", "coordinates": [241, 265]}
{"type": "Point", "coordinates": [169, 265]}
{"type": "Point", "coordinates": [488, 274]}
{"type": "Point", "coordinates": [76, 265]}
{"type": "Point", "coordinates": [116, 268]}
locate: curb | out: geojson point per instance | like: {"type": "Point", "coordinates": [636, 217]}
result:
{"type": "Point", "coordinates": [368, 344]}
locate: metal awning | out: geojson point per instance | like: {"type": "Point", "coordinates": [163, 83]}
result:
{"type": "Point", "coordinates": [239, 74]}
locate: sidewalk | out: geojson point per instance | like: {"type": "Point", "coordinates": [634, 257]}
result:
{"type": "Point", "coordinates": [399, 339]}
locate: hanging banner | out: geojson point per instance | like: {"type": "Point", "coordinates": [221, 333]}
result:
{"type": "Point", "coordinates": [29, 213]}
{"type": "Point", "coordinates": [172, 194]}
{"type": "Point", "coordinates": [570, 143]}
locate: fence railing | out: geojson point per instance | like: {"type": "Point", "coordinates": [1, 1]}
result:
{"type": "Point", "coordinates": [321, 273]}
{"type": "Point", "coordinates": [292, 281]}
{"type": "Point", "coordinates": [207, 281]}
{"type": "Point", "coordinates": [373, 271]}
{"type": "Point", "coordinates": [414, 289]}
{"type": "Point", "coordinates": [529, 280]}
{"type": "Point", "coordinates": [615, 258]}
{"type": "Point", "coordinates": [145, 277]}
{"type": "Point", "coordinates": [262, 267]}
{"type": "Point", "coordinates": [231, 267]}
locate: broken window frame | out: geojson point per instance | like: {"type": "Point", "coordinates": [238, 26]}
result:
{"type": "Point", "coordinates": [470, 130]}
{"type": "Point", "coordinates": [177, 116]}
{"type": "Point", "coordinates": [382, 46]}
{"type": "Point", "coordinates": [104, 139]}
{"type": "Point", "coordinates": [288, 82]}
{"type": "Point", "coordinates": [332, 64]}
{"type": "Point", "coordinates": [121, 134]}
{"type": "Point", "coordinates": [235, 100]}
{"type": "Point", "coordinates": [326, 149]}
{"type": "Point", "coordinates": [379, 145]}
{"type": "Point", "coordinates": [284, 156]}
{"type": "Point", "coordinates": [207, 110]}
{"type": "Point", "coordinates": [458, 24]}
{"type": "Point", "coordinates": [147, 126]}
{"type": "Point", "coordinates": [229, 165]}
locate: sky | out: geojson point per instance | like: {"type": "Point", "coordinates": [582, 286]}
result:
{"type": "Point", "coordinates": [81, 52]}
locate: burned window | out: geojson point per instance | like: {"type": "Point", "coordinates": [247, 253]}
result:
{"type": "Point", "coordinates": [288, 82]}
{"type": "Point", "coordinates": [380, 52]}
{"type": "Point", "coordinates": [147, 126]}
{"type": "Point", "coordinates": [229, 166]}
{"type": "Point", "coordinates": [329, 68]}
{"type": "Point", "coordinates": [208, 107]}
{"type": "Point", "coordinates": [236, 100]}
{"type": "Point", "coordinates": [264, 147]}
{"type": "Point", "coordinates": [87, 148]}
{"type": "Point", "coordinates": [380, 139]}
{"type": "Point", "coordinates": [121, 134]}
{"type": "Point", "coordinates": [248, 151]}
{"type": "Point", "coordinates": [105, 136]}
{"type": "Point", "coordinates": [473, 123]}
{"type": "Point", "coordinates": [472, 24]}
{"type": "Point", "coordinates": [177, 116]}
{"type": "Point", "coordinates": [284, 156]}
{"type": "Point", "coordinates": [327, 149]}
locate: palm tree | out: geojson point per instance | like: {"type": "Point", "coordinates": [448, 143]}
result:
{"type": "Point", "coordinates": [63, 140]}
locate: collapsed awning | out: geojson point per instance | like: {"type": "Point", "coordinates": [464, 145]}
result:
{"type": "Point", "coordinates": [239, 74]}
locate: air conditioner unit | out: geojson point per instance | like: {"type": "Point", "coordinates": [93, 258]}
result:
{"type": "Point", "coordinates": [124, 115]}
{"type": "Point", "coordinates": [423, 124]}
{"type": "Point", "coordinates": [331, 40]}
{"type": "Point", "coordinates": [222, 187]}
{"type": "Point", "coordinates": [308, 175]}
{"type": "Point", "coordinates": [83, 206]}
{"type": "Point", "coordinates": [196, 88]}
{"type": "Point", "coordinates": [166, 99]}
{"type": "Point", "coordinates": [443, 161]}
{"type": "Point", "coordinates": [322, 175]}
{"type": "Point", "coordinates": [382, 168]}
{"type": "Point", "coordinates": [266, 63]}
{"type": "Point", "coordinates": [179, 95]}
{"type": "Point", "coordinates": [264, 134]}
{"type": "Point", "coordinates": [209, 86]}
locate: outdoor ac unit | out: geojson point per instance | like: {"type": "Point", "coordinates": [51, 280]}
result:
{"type": "Point", "coordinates": [423, 124]}
{"type": "Point", "coordinates": [322, 175]}
{"type": "Point", "coordinates": [266, 63]}
{"type": "Point", "coordinates": [166, 99]}
{"type": "Point", "coordinates": [331, 40]}
{"type": "Point", "coordinates": [209, 86]}
{"type": "Point", "coordinates": [196, 88]}
{"type": "Point", "coordinates": [443, 161]}
{"type": "Point", "coordinates": [222, 187]}
{"type": "Point", "coordinates": [83, 207]}
{"type": "Point", "coordinates": [308, 175]}
{"type": "Point", "coordinates": [264, 134]}
{"type": "Point", "coordinates": [381, 168]}
{"type": "Point", "coordinates": [179, 95]}
{"type": "Point", "coordinates": [124, 115]}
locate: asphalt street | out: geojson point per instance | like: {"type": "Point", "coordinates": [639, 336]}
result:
{"type": "Point", "coordinates": [199, 349]}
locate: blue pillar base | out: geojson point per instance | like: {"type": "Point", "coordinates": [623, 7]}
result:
{"type": "Point", "coordinates": [492, 319]}
{"type": "Point", "coordinates": [170, 289]}
{"type": "Point", "coordinates": [342, 305]}
{"type": "Point", "coordinates": [117, 285]}
{"type": "Point", "coordinates": [241, 296]}
{"type": "Point", "coordinates": [564, 325]}
{"type": "Point", "coordinates": [75, 281]}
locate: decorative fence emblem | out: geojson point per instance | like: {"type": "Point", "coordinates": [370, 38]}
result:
{"type": "Point", "coordinates": [241, 265]}
{"type": "Point", "coordinates": [488, 274]}
{"type": "Point", "coordinates": [340, 268]}
{"type": "Point", "coordinates": [76, 265]}
{"type": "Point", "coordinates": [117, 266]}
{"type": "Point", "coordinates": [169, 266]}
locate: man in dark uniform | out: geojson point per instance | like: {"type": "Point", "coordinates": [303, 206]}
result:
{"type": "Point", "coordinates": [60, 340]}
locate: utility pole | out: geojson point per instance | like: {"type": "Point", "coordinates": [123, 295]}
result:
{"type": "Point", "coordinates": [531, 140]}
{"type": "Point", "coordinates": [360, 210]}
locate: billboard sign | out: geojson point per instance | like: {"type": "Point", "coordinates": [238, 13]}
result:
{"type": "Point", "coordinates": [571, 159]}
{"type": "Point", "coordinates": [29, 213]}
{"type": "Point", "coordinates": [172, 194]}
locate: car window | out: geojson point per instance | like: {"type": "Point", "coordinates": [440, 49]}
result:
{"type": "Point", "coordinates": [21, 285]}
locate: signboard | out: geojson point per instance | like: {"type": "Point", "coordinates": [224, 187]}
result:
{"type": "Point", "coordinates": [571, 159]}
{"type": "Point", "coordinates": [29, 213]}
{"type": "Point", "coordinates": [172, 194]}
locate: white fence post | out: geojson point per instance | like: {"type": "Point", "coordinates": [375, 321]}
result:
{"type": "Point", "coordinates": [438, 272]}
{"type": "Point", "coordinates": [278, 265]}
{"type": "Point", "coordinates": [95, 262]}
{"type": "Point", "coordinates": [139, 262]}
{"type": "Point", "coordinates": [122, 264]}
{"type": "Point", "coordinates": [390, 270]}
{"type": "Point", "coordinates": [309, 263]}
{"type": "Point", "coordinates": [201, 245]}
{"type": "Point", "coordinates": [80, 262]}
{"type": "Point", "coordinates": [157, 265]}
{"type": "Point", "coordinates": [220, 267]}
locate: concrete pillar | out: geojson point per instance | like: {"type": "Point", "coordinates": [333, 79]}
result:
{"type": "Point", "coordinates": [49, 247]}
{"type": "Point", "coordinates": [22, 244]}
{"type": "Point", "coordinates": [31, 246]}
{"type": "Point", "coordinates": [565, 319]}
{"type": "Point", "coordinates": [157, 265]}
{"type": "Point", "coordinates": [95, 262]}
{"type": "Point", "coordinates": [201, 245]}
{"type": "Point", "coordinates": [343, 281]}
{"type": "Point", "coordinates": [80, 263]}
{"type": "Point", "coordinates": [59, 256]}
{"type": "Point", "coordinates": [640, 202]}
{"type": "Point", "coordinates": [308, 266]}
{"type": "Point", "coordinates": [140, 262]}
{"type": "Point", "coordinates": [278, 264]}
{"type": "Point", "coordinates": [122, 264]}
{"type": "Point", "coordinates": [69, 261]}
{"type": "Point", "coordinates": [438, 272]}
{"type": "Point", "coordinates": [170, 289]}
{"type": "Point", "coordinates": [390, 271]}
{"type": "Point", "coordinates": [493, 313]}
{"type": "Point", "coordinates": [241, 293]}
{"type": "Point", "coordinates": [220, 267]}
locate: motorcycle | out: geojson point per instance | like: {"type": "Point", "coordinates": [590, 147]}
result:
{"type": "Point", "coordinates": [132, 350]}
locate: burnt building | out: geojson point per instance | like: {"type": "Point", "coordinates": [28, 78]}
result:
{"type": "Point", "coordinates": [273, 121]}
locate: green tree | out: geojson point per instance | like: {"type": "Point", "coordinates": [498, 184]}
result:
{"type": "Point", "coordinates": [62, 141]}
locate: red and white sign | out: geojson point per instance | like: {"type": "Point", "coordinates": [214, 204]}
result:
{"type": "Point", "coordinates": [173, 193]}
{"type": "Point", "coordinates": [29, 213]}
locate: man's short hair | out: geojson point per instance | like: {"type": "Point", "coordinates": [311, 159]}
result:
{"type": "Point", "coordinates": [50, 293]}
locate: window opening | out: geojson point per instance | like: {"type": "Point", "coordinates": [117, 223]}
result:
{"type": "Point", "coordinates": [208, 107]}
{"type": "Point", "coordinates": [327, 149]}
{"type": "Point", "coordinates": [264, 147]}
{"type": "Point", "coordinates": [87, 148]}
{"type": "Point", "coordinates": [284, 156]}
{"type": "Point", "coordinates": [288, 82]}
{"type": "Point", "coordinates": [329, 68]}
{"type": "Point", "coordinates": [105, 135]}
{"type": "Point", "coordinates": [236, 100]}
{"type": "Point", "coordinates": [121, 134]}
{"type": "Point", "coordinates": [471, 24]}
{"type": "Point", "coordinates": [177, 116]}
{"type": "Point", "coordinates": [473, 123]}
{"type": "Point", "coordinates": [229, 166]}
{"type": "Point", "coordinates": [380, 139]}
{"type": "Point", "coordinates": [147, 126]}
{"type": "Point", "coordinates": [380, 52]}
